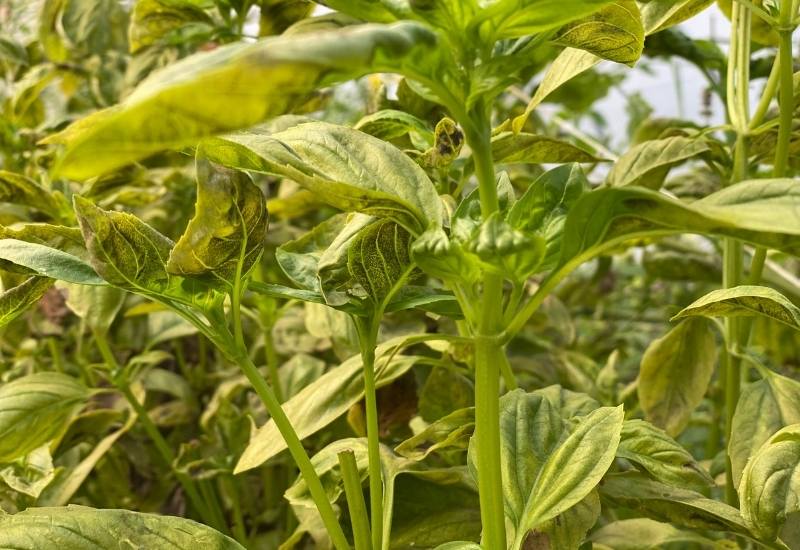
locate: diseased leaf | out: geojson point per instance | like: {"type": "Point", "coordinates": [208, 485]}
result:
{"type": "Point", "coordinates": [507, 251]}
{"type": "Point", "coordinates": [675, 372]}
{"type": "Point", "coordinates": [378, 259]}
{"type": "Point", "coordinates": [16, 300]}
{"type": "Point", "coordinates": [499, 19]}
{"type": "Point", "coordinates": [510, 148]}
{"type": "Point", "coordinates": [770, 483]}
{"type": "Point", "coordinates": [647, 164]}
{"type": "Point", "coordinates": [745, 300]}
{"type": "Point", "coordinates": [49, 262]}
{"type": "Point", "coordinates": [18, 189]}
{"type": "Point", "coordinates": [661, 456]}
{"type": "Point", "coordinates": [227, 231]}
{"type": "Point", "coordinates": [323, 401]}
{"type": "Point", "coordinates": [34, 410]}
{"type": "Point", "coordinates": [348, 169]}
{"type": "Point", "coordinates": [615, 32]}
{"type": "Point", "coordinates": [764, 408]}
{"type": "Point", "coordinates": [79, 527]}
{"type": "Point", "coordinates": [232, 87]}
{"type": "Point", "coordinates": [152, 21]}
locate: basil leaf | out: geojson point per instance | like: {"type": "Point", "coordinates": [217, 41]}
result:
{"type": "Point", "coordinates": [439, 256]}
{"type": "Point", "coordinates": [511, 148]}
{"type": "Point", "coordinates": [640, 533]}
{"type": "Point", "coordinates": [34, 410]}
{"type": "Point", "coordinates": [507, 251]}
{"type": "Point", "coordinates": [770, 483]}
{"type": "Point", "coordinates": [648, 163]}
{"type": "Point", "coordinates": [16, 300]}
{"type": "Point", "coordinates": [79, 527]}
{"type": "Point", "coordinates": [49, 262]}
{"type": "Point", "coordinates": [675, 372]}
{"type": "Point", "coordinates": [232, 87]}
{"type": "Point", "coordinates": [448, 434]}
{"type": "Point", "coordinates": [18, 189]}
{"type": "Point", "coordinates": [378, 259]}
{"type": "Point", "coordinates": [745, 300]}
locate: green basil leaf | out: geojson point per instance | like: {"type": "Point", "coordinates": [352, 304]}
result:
{"type": "Point", "coordinates": [439, 256]}
{"type": "Point", "coordinates": [511, 148]}
{"type": "Point", "coordinates": [771, 482]}
{"type": "Point", "coordinates": [34, 410]}
{"type": "Point", "coordinates": [79, 527]}
{"type": "Point", "coordinates": [152, 21]}
{"type": "Point", "coordinates": [468, 217]}
{"type": "Point", "coordinates": [566, 477]}
{"type": "Point", "coordinates": [764, 408]}
{"type": "Point", "coordinates": [675, 372]}
{"type": "Point", "coordinates": [544, 207]}
{"type": "Point", "coordinates": [447, 434]}
{"type": "Point", "coordinates": [567, 530]}
{"type": "Point", "coordinates": [507, 251]}
{"type": "Point", "coordinates": [648, 163]}
{"type": "Point", "coordinates": [662, 502]}
{"type": "Point", "coordinates": [18, 189]}
{"type": "Point", "coordinates": [643, 533]}
{"type": "Point", "coordinates": [390, 124]}
{"type": "Point", "coordinates": [745, 300]}
{"type": "Point", "coordinates": [222, 90]}
{"type": "Point", "coordinates": [49, 262]}
{"type": "Point", "coordinates": [615, 32]}
{"type": "Point", "coordinates": [661, 456]}
{"type": "Point", "coordinates": [323, 401]}
{"type": "Point", "coordinates": [661, 14]}
{"type": "Point", "coordinates": [761, 212]}
{"type": "Point", "coordinates": [348, 169]}
{"type": "Point", "coordinates": [16, 300]}
{"type": "Point", "coordinates": [227, 231]}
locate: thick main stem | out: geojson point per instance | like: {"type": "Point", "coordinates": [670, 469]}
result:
{"type": "Point", "coordinates": [367, 337]}
{"type": "Point", "coordinates": [786, 96]}
{"type": "Point", "coordinates": [739, 112]}
{"type": "Point", "coordinates": [488, 349]}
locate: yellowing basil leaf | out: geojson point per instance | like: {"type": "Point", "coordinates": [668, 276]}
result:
{"type": "Point", "coordinates": [79, 527]}
{"type": "Point", "coordinates": [16, 300]}
{"type": "Point", "coordinates": [232, 87]}
{"type": "Point", "coordinates": [615, 32]}
{"type": "Point", "coordinates": [743, 301]}
{"type": "Point", "coordinates": [511, 148]}
{"type": "Point", "coordinates": [445, 435]}
{"type": "Point", "coordinates": [661, 14]}
{"type": "Point", "coordinates": [389, 124]}
{"type": "Point", "coordinates": [153, 20]}
{"type": "Point", "coordinates": [48, 262]}
{"type": "Point", "coordinates": [647, 164]}
{"type": "Point", "coordinates": [675, 372]}
{"type": "Point", "coordinates": [771, 482]}
{"type": "Point", "coordinates": [323, 401]}
{"type": "Point", "coordinates": [348, 169]}
{"type": "Point", "coordinates": [764, 408]}
{"type": "Point", "coordinates": [34, 410]}
{"type": "Point", "coordinates": [228, 228]}
{"type": "Point", "coordinates": [499, 19]}
{"type": "Point", "coordinates": [661, 456]}
{"type": "Point", "coordinates": [18, 189]}
{"type": "Point", "coordinates": [98, 306]}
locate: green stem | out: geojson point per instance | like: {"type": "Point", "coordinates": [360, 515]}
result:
{"type": "Point", "coordinates": [355, 500]}
{"type": "Point", "coordinates": [488, 349]}
{"type": "Point", "coordinates": [786, 90]}
{"type": "Point", "coordinates": [163, 448]}
{"type": "Point", "coordinates": [738, 78]}
{"type": "Point", "coordinates": [242, 359]}
{"type": "Point", "coordinates": [367, 338]}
